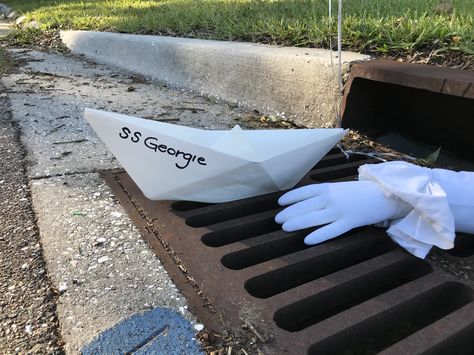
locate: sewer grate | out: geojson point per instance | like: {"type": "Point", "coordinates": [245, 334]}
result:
{"type": "Point", "coordinates": [356, 294]}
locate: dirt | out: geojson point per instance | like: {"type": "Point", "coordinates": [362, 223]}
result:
{"type": "Point", "coordinates": [28, 321]}
{"type": "Point", "coordinates": [434, 56]}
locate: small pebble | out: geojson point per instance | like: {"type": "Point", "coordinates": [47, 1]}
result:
{"type": "Point", "coordinates": [62, 287]}
{"type": "Point", "coordinates": [103, 259]}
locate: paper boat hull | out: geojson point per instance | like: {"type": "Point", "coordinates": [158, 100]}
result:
{"type": "Point", "coordinates": [170, 162]}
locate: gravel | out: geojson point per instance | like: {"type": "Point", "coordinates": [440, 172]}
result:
{"type": "Point", "coordinates": [104, 270]}
{"type": "Point", "coordinates": [28, 321]}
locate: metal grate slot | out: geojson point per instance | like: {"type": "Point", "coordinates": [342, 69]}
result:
{"type": "Point", "coordinates": [341, 171]}
{"type": "Point", "coordinates": [240, 229]}
{"type": "Point", "coordinates": [321, 306]}
{"type": "Point", "coordinates": [336, 159]}
{"type": "Point", "coordinates": [233, 210]}
{"type": "Point", "coordinates": [188, 205]}
{"type": "Point", "coordinates": [463, 247]}
{"type": "Point", "coordinates": [279, 244]}
{"type": "Point", "coordinates": [387, 328]}
{"type": "Point", "coordinates": [355, 250]}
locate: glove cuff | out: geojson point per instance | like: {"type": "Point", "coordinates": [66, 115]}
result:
{"type": "Point", "coordinates": [430, 220]}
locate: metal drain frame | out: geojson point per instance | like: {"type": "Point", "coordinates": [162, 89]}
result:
{"type": "Point", "coordinates": [235, 266]}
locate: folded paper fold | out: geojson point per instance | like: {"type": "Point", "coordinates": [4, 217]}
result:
{"type": "Point", "coordinates": [171, 162]}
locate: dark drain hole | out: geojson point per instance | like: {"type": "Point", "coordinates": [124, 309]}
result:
{"type": "Point", "coordinates": [336, 159]}
{"type": "Point", "coordinates": [321, 306]}
{"type": "Point", "coordinates": [338, 172]}
{"type": "Point", "coordinates": [285, 278]}
{"type": "Point", "coordinates": [463, 246]}
{"type": "Point", "coordinates": [233, 212]}
{"type": "Point", "coordinates": [241, 232]}
{"type": "Point", "coordinates": [258, 254]}
{"type": "Point", "coordinates": [183, 206]}
{"type": "Point", "coordinates": [389, 327]}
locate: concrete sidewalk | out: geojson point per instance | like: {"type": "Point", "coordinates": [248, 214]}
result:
{"type": "Point", "coordinates": [95, 257]}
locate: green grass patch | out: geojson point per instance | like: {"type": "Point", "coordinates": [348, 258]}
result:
{"type": "Point", "coordinates": [368, 25]}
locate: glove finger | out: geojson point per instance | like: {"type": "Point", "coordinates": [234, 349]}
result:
{"type": "Point", "coordinates": [310, 219]}
{"type": "Point", "coordinates": [301, 194]}
{"type": "Point", "coordinates": [301, 208]}
{"type": "Point", "coordinates": [327, 232]}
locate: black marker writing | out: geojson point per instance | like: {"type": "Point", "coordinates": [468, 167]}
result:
{"type": "Point", "coordinates": [125, 132]}
{"type": "Point", "coordinates": [152, 143]}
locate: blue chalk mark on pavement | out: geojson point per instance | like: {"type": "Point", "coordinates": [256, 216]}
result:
{"type": "Point", "coordinates": [159, 331]}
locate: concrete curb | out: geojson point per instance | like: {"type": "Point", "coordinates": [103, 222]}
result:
{"type": "Point", "coordinates": [298, 84]}
{"type": "Point", "coordinates": [8, 13]}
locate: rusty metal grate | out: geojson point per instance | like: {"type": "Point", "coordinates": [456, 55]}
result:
{"type": "Point", "coordinates": [357, 294]}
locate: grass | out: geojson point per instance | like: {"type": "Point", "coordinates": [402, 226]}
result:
{"type": "Point", "coordinates": [368, 26]}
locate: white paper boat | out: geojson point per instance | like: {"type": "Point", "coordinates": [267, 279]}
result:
{"type": "Point", "coordinates": [171, 162]}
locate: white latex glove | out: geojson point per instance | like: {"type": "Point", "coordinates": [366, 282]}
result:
{"type": "Point", "coordinates": [337, 207]}
{"type": "Point", "coordinates": [459, 187]}
{"type": "Point", "coordinates": [442, 203]}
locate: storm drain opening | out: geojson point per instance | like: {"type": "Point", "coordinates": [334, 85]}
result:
{"type": "Point", "coordinates": [279, 244]}
{"type": "Point", "coordinates": [387, 328]}
{"type": "Point", "coordinates": [414, 109]}
{"type": "Point", "coordinates": [316, 308]}
{"type": "Point", "coordinates": [298, 273]}
{"type": "Point", "coordinates": [252, 206]}
{"type": "Point", "coordinates": [463, 246]}
{"type": "Point", "coordinates": [188, 205]}
{"type": "Point", "coordinates": [241, 230]}
{"type": "Point", "coordinates": [356, 294]}
{"type": "Point", "coordinates": [306, 298]}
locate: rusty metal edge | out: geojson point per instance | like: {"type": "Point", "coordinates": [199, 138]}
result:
{"type": "Point", "coordinates": [448, 81]}
{"type": "Point", "coordinates": [197, 301]}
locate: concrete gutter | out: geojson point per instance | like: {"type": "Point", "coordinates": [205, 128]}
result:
{"type": "Point", "coordinates": [297, 84]}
